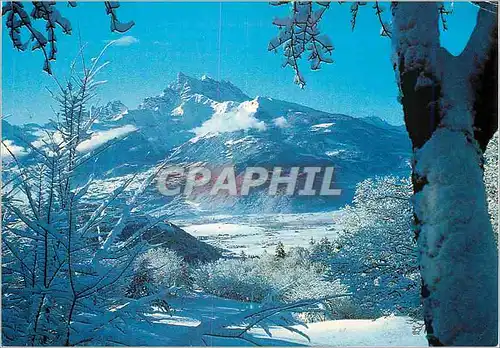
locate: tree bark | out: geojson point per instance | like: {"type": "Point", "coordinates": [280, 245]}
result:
{"type": "Point", "coordinates": [450, 105]}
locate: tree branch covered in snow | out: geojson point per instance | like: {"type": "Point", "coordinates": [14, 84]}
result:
{"type": "Point", "coordinates": [47, 12]}
{"type": "Point", "coordinates": [384, 26]}
{"type": "Point", "coordinates": [299, 34]}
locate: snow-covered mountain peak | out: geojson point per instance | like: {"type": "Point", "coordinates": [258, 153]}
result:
{"type": "Point", "coordinates": [112, 111]}
{"type": "Point", "coordinates": [186, 89]}
{"type": "Point", "coordinates": [219, 91]}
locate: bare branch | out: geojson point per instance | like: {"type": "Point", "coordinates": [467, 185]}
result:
{"type": "Point", "coordinates": [443, 12]}
{"type": "Point", "coordinates": [384, 31]}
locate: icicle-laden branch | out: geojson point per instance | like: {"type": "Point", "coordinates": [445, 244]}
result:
{"type": "Point", "coordinates": [379, 10]}
{"type": "Point", "coordinates": [18, 20]}
{"type": "Point", "coordinates": [299, 33]}
{"type": "Point", "coordinates": [47, 12]}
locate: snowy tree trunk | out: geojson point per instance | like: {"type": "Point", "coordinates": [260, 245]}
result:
{"type": "Point", "coordinates": [450, 114]}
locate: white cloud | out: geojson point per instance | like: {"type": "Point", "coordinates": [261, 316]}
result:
{"type": "Point", "coordinates": [126, 40]}
{"type": "Point", "coordinates": [16, 150]}
{"type": "Point", "coordinates": [46, 138]}
{"type": "Point", "coordinates": [280, 122]}
{"type": "Point", "coordinates": [99, 138]}
{"type": "Point", "coordinates": [240, 117]}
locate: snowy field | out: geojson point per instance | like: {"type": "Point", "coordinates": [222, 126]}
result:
{"type": "Point", "coordinates": [190, 311]}
{"type": "Point", "coordinates": [255, 233]}
{"type": "Point", "coordinates": [388, 331]}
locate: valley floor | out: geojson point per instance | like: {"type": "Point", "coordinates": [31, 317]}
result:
{"type": "Point", "coordinates": [253, 233]}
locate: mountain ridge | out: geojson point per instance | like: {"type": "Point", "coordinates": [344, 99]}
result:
{"type": "Point", "coordinates": [216, 123]}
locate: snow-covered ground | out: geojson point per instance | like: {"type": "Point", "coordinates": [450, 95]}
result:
{"type": "Point", "coordinates": [191, 310]}
{"type": "Point", "coordinates": [388, 331]}
{"type": "Point", "coordinates": [255, 233]}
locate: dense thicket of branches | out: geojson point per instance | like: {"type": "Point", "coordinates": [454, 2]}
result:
{"type": "Point", "coordinates": [65, 268]}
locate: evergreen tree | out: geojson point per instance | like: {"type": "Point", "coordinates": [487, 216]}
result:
{"type": "Point", "coordinates": [280, 251]}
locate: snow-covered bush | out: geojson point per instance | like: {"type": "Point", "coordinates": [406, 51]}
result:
{"type": "Point", "coordinates": [267, 278]}
{"type": "Point", "coordinates": [157, 269]}
{"type": "Point", "coordinates": [233, 278]}
{"type": "Point", "coordinates": [296, 278]}
{"type": "Point", "coordinates": [375, 254]}
{"type": "Point", "coordinates": [321, 252]}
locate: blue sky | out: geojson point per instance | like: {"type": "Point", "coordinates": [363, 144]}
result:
{"type": "Point", "coordinates": [225, 41]}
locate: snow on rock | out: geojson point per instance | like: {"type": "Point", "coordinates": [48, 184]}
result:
{"type": "Point", "coordinates": [215, 90]}
{"type": "Point", "coordinates": [111, 112]}
{"type": "Point", "coordinates": [163, 103]}
{"type": "Point", "coordinates": [245, 140]}
{"type": "Point", "coordinates": [334, 153]}
{"type": "Point", "coordinates": [99, 138]}
{"type": "Point", "coordinates": [322, 125]}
